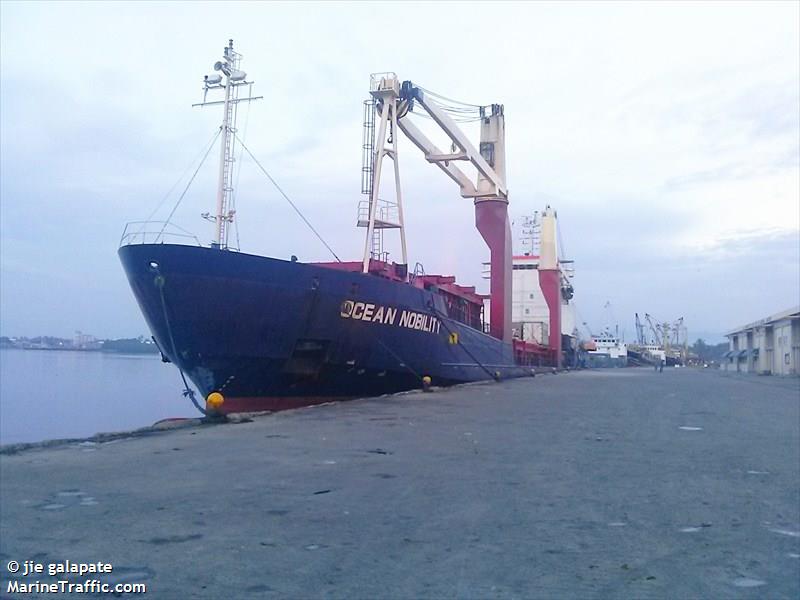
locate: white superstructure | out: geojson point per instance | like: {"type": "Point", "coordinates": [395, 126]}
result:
{"type": "Point", "coordinates": [608, 345]}
{"type": "Point", "coordinates": [530, 315]}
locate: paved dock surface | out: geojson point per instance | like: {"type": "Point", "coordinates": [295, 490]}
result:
{"type": "Point", "coordinates": [620, 483]}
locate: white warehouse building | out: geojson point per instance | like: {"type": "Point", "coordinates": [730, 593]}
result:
{"type": "Point", "coordinates": [768, 346]}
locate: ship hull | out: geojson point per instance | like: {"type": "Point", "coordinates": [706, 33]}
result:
{"type": "Point", "coordinates": [271, 334]}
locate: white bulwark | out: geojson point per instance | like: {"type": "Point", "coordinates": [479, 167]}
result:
{"type": "Point", "coordinates": [770, 346]}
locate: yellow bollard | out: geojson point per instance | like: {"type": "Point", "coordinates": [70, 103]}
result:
{"type": "Point", "coordinates": [214, 401]}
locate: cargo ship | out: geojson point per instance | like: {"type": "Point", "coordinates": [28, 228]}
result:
{"type": "Point", "coordinates": [256, 333]}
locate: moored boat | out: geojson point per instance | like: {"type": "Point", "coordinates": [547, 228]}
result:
{"type": "Point", "coordinates": [261, 333]}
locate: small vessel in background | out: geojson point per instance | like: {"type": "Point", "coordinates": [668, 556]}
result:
{"type": "Point", "coordinates": [606, 350]}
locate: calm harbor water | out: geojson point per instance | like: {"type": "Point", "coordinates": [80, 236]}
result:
{"type": "Point", "coordinates": [53, 394]}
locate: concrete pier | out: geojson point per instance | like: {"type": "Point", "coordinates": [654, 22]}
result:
{"type": "Point", "coordinates": [614, 483]}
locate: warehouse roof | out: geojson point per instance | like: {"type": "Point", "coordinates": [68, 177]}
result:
{"type": "Point", "coordinates": [789, 313]}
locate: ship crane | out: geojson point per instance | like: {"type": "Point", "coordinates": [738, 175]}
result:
{"type": "Point", "coordinates": [640, 335]}
{"type": "Point", "coordinates": [654, 327]}
{"type": "Point", "coordinates": [393, 101]}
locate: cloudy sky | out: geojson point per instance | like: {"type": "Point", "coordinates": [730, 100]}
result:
{"type": "Point", "coordinates": [667, 136]}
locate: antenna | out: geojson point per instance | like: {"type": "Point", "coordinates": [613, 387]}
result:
{"type": "Point", "coordinates": [530, 234]}
{"type": "Point", "coordinates": [234, 78]}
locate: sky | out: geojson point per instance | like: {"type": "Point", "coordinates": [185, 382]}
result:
{"type": "Point", "coordinates": [666, 136]}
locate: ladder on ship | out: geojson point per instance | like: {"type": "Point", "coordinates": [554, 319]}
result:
{"type": "Point", "coordinates": [228, 159]}
{"type": "Point", "coordinates": [368, 147]}
{"type": "Point", "coordinates": [386, 213]}
{"type": "Point", "coordinates": [368, 177]}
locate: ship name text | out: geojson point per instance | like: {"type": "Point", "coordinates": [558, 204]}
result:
{"type": "Point", "coordinates": [375, 313]}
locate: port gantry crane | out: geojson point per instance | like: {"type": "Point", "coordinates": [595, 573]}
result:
{"type": "Point", "coordinates": [655, 327]}
{"type": "Point", "coordinates": [392, 101]}
{"type": "Point", "coordinates": [640, 336]}
{"type": "Point", "coordinates": [667, 334]}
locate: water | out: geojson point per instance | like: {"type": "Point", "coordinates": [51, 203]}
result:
{"type": "Point", "coordinates": [53, 394]}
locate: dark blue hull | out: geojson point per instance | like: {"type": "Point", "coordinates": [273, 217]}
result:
{"type": "Point", "coordinates": [272, 334]}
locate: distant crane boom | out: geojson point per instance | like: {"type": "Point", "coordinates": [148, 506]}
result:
{"type": "Point", "coordinates": [640, 336]}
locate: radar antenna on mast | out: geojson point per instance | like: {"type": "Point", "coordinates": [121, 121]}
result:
{"type": "Point", "coordinates": [228, 78]}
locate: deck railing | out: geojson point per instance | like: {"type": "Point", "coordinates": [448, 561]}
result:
{"type": "Point", "coordinates": [156, 232]}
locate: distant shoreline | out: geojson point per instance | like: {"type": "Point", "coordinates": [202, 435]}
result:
{"type": "Point", "coordinates": [82, 343]}
{"type": "Point", "coordinates": [146, 352]}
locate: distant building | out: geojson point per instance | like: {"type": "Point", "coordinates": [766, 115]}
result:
{"type": "Point", "coordinates": [769, 346]}
{"type": "Point", "coordinates": [83, 341]}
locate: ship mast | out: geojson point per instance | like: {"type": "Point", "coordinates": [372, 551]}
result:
{"type": "Point", "coordinates": [234, 78]}
{"type": "Point", "coordinates": [530, 234]}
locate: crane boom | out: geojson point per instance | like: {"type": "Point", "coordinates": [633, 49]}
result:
{"type": "Point", "coordinates": [489, 191]}
{"type": "Point", "coordinates": [640, 331]}
{"type": "Point", "coordinates": [428, 148]}
{"type": "Point", "coordinates": [653, 328]}
{"type": "Point", "coordinates": [497, 185]}
{"type": "Point", "coordinates": [393, 102]}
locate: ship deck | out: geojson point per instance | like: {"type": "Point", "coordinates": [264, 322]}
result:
{"type": "Point", "coordinates": [592, 484]}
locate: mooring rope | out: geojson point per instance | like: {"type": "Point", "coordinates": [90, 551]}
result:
{"type": "Point", "coordinates": [188, 185]}
{"type": "Point", "coordinates": [440, 316]}
{"type": "Point", "coordinates": [187, 391]}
